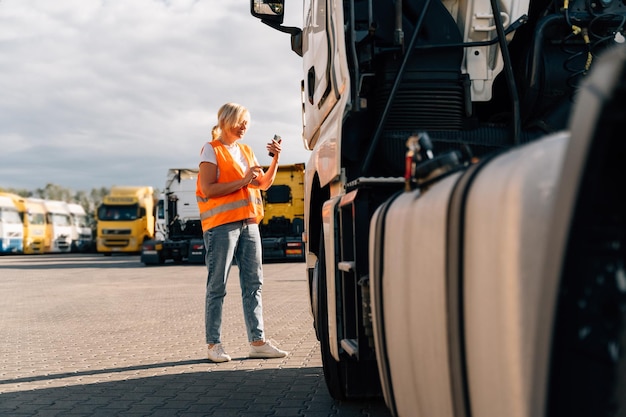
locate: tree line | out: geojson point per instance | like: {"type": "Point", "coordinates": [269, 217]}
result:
{"type": "Point", "coordinates": [89, 200]}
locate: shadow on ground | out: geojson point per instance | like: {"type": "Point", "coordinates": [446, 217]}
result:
{"type": "Point", "coordinates": [211, 392]}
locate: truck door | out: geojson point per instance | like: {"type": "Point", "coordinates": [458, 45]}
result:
{"type": "Point", "coordinates": [326, 84]}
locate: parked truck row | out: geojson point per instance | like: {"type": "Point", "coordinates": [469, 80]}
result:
{"type": "Point", "coordinates": [134, 219]}
{"type": "Point", "coordinates": [123, 221]}
{"type": "Point", "coordinates": [34, 226]}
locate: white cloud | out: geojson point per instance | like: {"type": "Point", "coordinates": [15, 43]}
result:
{"type": "Point", "coordinates": [103, 92]}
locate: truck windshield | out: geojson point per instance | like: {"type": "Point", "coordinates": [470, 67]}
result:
{"type": "Point", "coordinates": [9, 216]}
{"type": "Point", "coordinates": [107, 212]}
{"type": "Point", "coordinates": [60, 219]}
{"type": "Point", "coordinates": [278, 194]}
{"type": "Point", "coordinates": [80, 220]}
{"type": "Point", "coordinates": [36, 218]}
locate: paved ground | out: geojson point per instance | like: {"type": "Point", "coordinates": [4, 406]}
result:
{"type": "Point", "coordinates": [89, 335]}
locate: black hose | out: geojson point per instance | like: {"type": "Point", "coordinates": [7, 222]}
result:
{"type": "Point", "coordinates": [508, 70]}
{"type": "Point", "coordinates": [394, 90]}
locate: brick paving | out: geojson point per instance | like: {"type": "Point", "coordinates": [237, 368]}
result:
{"type": "Point", "coordinates": [87, 335]}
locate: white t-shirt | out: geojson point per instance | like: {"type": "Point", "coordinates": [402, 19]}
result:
{"type": "Point", "coordinates": [208, 155]}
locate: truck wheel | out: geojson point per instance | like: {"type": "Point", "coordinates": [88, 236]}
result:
{"type": "Point", "coordinates": [588, 371]}
{"type": "Point", "coordinates": [332, 368]}
{"type": "Point", "coordinates": [588, 375]}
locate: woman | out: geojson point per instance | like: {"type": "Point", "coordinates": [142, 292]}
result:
{"type": "Point", "coordinates": [229, 199]}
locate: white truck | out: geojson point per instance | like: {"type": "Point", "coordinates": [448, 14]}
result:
{"type": "Point", "coordinates": [58, 226]}
{"type": "Point", "coordinates": [11, 227]}
{"type": "Point", "coordinates": [160, 228]}
{"type": "Point", "coordinates": [464, 222]}
{"type": "Point", "coordinates": [182, 239]}
{"type": "Point", "coordinates": [33, 218]}
{"type": "Point", "coordinates": [82, 235]}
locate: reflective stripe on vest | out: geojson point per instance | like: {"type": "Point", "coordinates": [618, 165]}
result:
{"type": "Point", "coordinates": [223, 208]}
{"type": "Point", "coordinates": [242, 204]}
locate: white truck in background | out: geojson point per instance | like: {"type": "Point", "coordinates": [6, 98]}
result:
{"type": "Point", "coordinates": [58, 226]}
{"type": "Point", "coordinates": [11, 227]}
{"type": "Point", "coordinates": [33, 217]}
{"type": "Point", "coordinates": [82, 235]}
{"type": "Point", "coordinates": [464, 218]}
{"type": "Point", "coordinates": [182, 238]}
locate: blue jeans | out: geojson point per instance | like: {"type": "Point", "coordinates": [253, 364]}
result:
{"type": "Point", "coordinates": [241, 242]}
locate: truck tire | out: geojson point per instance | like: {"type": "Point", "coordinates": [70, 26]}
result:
{"type": "Point", "coordinates": [332, 368]}
{"type": "Point", "coordinates": [588, 370]}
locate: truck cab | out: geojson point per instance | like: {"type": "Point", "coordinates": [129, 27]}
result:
{"type": "Point", "coordinates": [11, 227]}
{"type": "Point", "coordinates": [283, 223]}
{"type": "Point", "coordinates": [33, 216]}
{"type": "Point", "coordinates": [126, 219]}
{"type": "Point", "coordinates": [179, 236]}
{"type": "Point", "coordinates": [58, 226]}
{"type": "Point", "coordinates": [82, 236]}
{"type": "Point", "coordinates": [35, 222]}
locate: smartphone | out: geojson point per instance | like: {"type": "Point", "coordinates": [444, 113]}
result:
{"type": "Point", "coordinates": [276, 139]}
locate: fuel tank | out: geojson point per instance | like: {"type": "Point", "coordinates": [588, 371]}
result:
{"type": "Point", "coordinates": [459, 284]}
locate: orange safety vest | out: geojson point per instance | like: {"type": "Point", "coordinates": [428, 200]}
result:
{"type": "Point", "coordinates": [245, 203]}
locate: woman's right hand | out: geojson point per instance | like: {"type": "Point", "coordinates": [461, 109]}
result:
{"type": "Point", "coordinates": [252, 173]}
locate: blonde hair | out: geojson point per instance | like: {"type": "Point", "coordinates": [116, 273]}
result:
{"type": "Point", "coordinates": [231, 115]}
{"type": "Point", "coordinates": [215, 132]}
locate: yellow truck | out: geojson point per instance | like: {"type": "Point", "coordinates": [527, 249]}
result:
{"type": "Point", "coordinates": [35, 238]}
{"type": "Point", "coordinates": [283, 224]}
{"type": "Point", "coordinates": [33, 215]}
{"type": "Point", "coordinates": [125, 219]}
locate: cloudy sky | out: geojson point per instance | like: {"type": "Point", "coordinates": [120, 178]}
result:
{"type": "Point", "coordinates": [95, 93]}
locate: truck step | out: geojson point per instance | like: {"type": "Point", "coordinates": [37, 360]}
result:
{"type": "Point", "coordinates": [346, 266]}
{"type": "Point", "coordinates": [351, 347]}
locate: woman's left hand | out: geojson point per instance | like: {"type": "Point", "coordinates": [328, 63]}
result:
{"type": "Point", "coordinates": [273, 147]}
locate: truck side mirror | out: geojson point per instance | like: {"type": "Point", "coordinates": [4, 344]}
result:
{"type": "Point", "coordinates": [268, 10]}
{"type": "Point", "coordinates": [142, 212]}
{"type": "Point", "coordinates": [272, 13]}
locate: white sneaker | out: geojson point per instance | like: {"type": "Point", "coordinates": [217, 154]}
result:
{"type": "Point", "coordinates": [217, 354]}
{"type": "Point", "coordinates": [267, 350]}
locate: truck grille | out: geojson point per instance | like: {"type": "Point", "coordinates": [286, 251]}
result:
{"type": "Point", "coordinates": [116, 242]}
{"type": "Point", "coordinates": [116, 231]}
{"type": "Point", "coordinates": [424, 106]}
